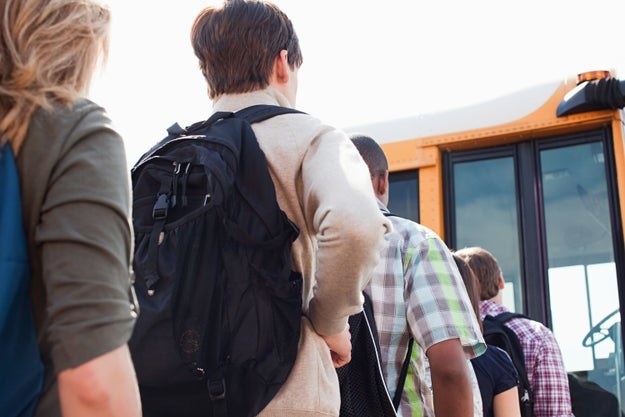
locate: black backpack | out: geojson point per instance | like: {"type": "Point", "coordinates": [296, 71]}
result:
{"type": "Point", "coordinates": [220, 306]}
{"type": "Point", "coordinates": [363, 389]}
{"type": "Point", "coordinates": [498, 334]}
{"type": "Point", "coordinates": [364, 392]}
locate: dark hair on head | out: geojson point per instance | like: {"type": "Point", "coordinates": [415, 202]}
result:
{"type": "Point", "coordinates": [471, 284]}
{"type": "Point", "coordinates": [486, 269]}
{"type": "Point", "coordinates": [371, 152]}
{"type": "Point", "coordinates": [237, 44]}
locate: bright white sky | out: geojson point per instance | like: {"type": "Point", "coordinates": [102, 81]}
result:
{"type": "Point", "coordinates": [364, 61]}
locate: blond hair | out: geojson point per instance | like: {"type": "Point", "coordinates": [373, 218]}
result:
{"type": "Point", "coordinates": [49, 51]}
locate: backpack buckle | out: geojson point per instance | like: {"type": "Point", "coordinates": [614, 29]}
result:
{"type": "Point", "coordinates": [159, 211]}
{"type": "Point", "coordinates": [216, 389]}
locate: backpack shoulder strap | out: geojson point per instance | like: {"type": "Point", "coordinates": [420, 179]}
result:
{"type": "Point", "coordinates": [404, 367]}
{"type": "Point", "coordinates": [518, 359]}
{"type": "Point", "coordinates": [260, 112]}
{"type": "Point", "coordinates": [253, 114]}
{"type": "Point", "coordinates": [508, 315]}
{"type": "Point", "coordinates": [177, 130]}
{"type": "Point", "coordinates": [402, 375]}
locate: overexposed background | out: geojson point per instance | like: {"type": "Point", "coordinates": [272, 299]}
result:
{"type": "Point", "coordinates": [364, 61]}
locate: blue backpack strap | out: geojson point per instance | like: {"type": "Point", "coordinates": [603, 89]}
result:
{"type": "Point", "coordinates": [20, 362]}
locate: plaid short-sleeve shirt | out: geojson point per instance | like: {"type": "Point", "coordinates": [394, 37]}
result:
{"type": "Point", "coordinates": [417, 291]}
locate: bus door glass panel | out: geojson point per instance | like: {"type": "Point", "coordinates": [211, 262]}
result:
{"type": "Point", "coordinates": [582, 277]}
{"type": "Point", "coordinates": [485, 208]}
{"type": "Point", "coordinates": [404, 194]}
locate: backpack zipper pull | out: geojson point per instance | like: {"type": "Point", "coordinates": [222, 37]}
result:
{"type": "Point", "coordinates": [177, 170]}
{"type": "Point", "coordinates": [185, 177]}
{"type": "Point", "coordinates": [210, 186]}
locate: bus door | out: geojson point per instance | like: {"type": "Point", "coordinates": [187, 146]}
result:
{"type": "Point", "coordinates": [548, 210]}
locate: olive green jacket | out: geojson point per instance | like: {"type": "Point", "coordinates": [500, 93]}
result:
{"type": "Point", "coordinates": [76, 207]}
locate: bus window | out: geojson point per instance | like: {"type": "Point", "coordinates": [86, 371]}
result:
{"type": "Point", "coordinates": [404, 194]}
{"type": "Point", "coordinates": [581, 275]}
{"type": "Point", "coordinates": [484, 205]}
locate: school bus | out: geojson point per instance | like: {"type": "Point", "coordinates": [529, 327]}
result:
{"type": "Point", "coordinates": [537, 177]}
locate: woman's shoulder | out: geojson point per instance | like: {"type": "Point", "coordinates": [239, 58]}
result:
{"type": "Point", "coordinates": [496, 366]}
{"type": "Point", "coordinates": [64, 131]}
{"type": "Point", "coordinates": [81, 113]}
{"type": "Point", "coordinates": [500, 355]}
{"type": "Point", "coordinates": [495, 358]}
{"type": "Point", "coordinates": [501, 361]}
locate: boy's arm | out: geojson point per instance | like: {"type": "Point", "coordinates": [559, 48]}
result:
{"type": "Point", "coordinates": [550, 382]}
{"type": "Point", "coordinates": [103, 387]}
{"type": "Point", "coordinates": [451, 383]}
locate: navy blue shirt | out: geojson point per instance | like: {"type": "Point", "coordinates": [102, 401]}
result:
{"type": "Point", "coordinates": [495, 374]}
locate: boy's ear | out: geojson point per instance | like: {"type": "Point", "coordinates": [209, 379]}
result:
{"type": "Point", "coordinates": [380, 183]}
{"type": "Point", "coordinates": [281, 67]}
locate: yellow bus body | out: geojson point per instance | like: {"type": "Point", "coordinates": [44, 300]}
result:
{"type": "Point", "coordinates": [529, 114]}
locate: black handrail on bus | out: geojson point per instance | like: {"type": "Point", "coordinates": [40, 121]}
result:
{"type": "Point", "coordinates": [606, 93]}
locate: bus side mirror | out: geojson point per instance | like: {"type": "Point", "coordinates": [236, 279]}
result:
{"type": "Point", "coordinates": [606, 93]}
